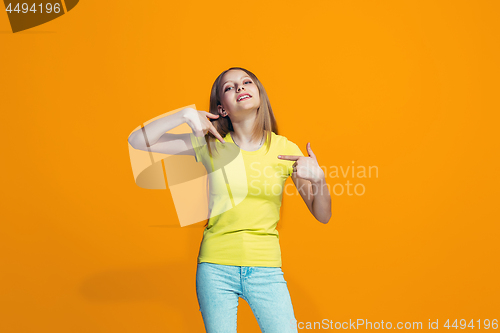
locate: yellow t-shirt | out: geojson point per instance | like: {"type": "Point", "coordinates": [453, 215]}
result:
{"type": "Point", "coordinates": [245, 195]}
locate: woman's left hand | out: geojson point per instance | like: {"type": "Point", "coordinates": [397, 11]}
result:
{"type": "Point", "coordinates": [306, 167]}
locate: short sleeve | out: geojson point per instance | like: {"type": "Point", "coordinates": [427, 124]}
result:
{"type": "Point", "coordinates": [292, 149]}
{"type": "Point", "coordinates": [199, 144]}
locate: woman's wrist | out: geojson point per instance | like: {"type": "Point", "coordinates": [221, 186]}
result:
{"type": "Point", "coordinates": [186, 114]}
{"type": "Point", "coordinates": [319, 182]}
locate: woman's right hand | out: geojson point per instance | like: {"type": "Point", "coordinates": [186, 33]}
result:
{"type": "Point", "coordinates": [200, 124]}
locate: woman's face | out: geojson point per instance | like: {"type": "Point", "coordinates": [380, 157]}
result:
{"type": "Point", "coordinates": [235, 85]}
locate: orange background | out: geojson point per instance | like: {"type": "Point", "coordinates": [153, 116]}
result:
{"type": "Point", "coordinates": [409, 87]}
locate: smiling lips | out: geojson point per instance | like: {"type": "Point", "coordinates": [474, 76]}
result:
{"type": "Point", "coordinates": [243, 97]}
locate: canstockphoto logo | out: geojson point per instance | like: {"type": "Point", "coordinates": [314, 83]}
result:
{"type": "Point", "coordinates": [28, 14]}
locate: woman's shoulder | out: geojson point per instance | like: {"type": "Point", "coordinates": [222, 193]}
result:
{"type": "Point", "coordinates": [289, 146]}
{"type": "Point", "coordinates": [282, 139]}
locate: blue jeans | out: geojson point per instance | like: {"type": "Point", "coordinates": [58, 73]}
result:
{"type": "Point", "coordinates": [219, 287]}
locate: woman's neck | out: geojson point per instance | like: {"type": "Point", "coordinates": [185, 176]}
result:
{"type": "Point", "coordinates": [246, 145]}
{"type": "Point", "coordinates": [243, 131]}
{"type": "Point", "coordinates": [244, 139]}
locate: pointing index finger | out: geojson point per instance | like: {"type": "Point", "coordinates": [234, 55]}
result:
{"type": "Point", "coordinates": [216, 134]}
{"type": "Point", "coordinates": [289, 157]}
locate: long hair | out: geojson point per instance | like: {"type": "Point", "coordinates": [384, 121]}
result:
{"type": "Point", "coordinates": [265, 122]}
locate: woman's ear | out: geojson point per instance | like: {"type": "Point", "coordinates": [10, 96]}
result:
{"type": "Point", "coordinates": [222, 112]}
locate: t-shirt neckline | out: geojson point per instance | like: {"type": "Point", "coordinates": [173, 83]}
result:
{"type": "Point", "coordinates": [247, 152]}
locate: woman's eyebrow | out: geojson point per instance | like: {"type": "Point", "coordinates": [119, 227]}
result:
{"type": "Point", "coordinates": [232, 80]}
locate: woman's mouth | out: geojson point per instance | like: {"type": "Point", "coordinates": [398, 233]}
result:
{"type": "Point", "coordinates": [243, 97]}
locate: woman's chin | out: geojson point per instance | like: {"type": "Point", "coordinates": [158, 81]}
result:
{"type": "Point", "coordinates": [248, 107]}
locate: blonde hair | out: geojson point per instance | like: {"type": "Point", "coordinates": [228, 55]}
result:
{"type": "Point", "coordinates": [265, 122]}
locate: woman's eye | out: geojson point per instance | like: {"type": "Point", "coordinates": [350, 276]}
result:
{"type": "Point", "coordinates": [231, 87]}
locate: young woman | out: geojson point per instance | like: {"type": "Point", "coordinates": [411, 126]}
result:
{"type": "Point", "coordinates": [240, 254]}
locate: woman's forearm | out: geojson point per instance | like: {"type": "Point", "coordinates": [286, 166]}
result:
{"type": "Point", "coordinates": [322, 202]}
{"type": "Point", "coordinates": [149, 135]}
